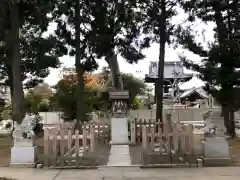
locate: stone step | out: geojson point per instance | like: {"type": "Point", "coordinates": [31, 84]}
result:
{"type": "Point", "coordinates": [119, 156]}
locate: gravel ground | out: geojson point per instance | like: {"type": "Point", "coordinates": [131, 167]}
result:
{"type": "Point", "coordinates": [102, 153]}
{"type": "Point", "coordinates": [234, 149]}
{"type": "Point", "coordinates": [135, 154]}
{"type": "Point", "coordinates": [6, 144]}
{"type": "Point", "coordinates": [156, 158]}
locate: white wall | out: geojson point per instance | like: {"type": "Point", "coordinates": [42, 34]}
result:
{"type": "Point", "coordinates": [168, 70]}
{"type": "Point", "coordinates": [51, 117]}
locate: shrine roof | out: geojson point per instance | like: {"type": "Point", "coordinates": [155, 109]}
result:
{"type": "Point", "coordinates": [199, 91]}
{"type": "Point", "coordinates": [167, 62]}
{"type": "Point", "coordinates": [183, 76]}
{"type": "Point", "coordinates": [152, 78]}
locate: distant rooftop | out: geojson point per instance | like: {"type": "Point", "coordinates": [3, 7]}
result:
{"type": "Point", "coordinates": [167, 62]}
{"type": "Point", "coordinates": [172, 69]}
{"type": "Point", "coordinates": [199, 91]}
{"type": "Point", "coordinates": [182, 76]}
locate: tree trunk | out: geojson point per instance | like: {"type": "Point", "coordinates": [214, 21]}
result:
{"type": "Point", "coordinates": [11, 85]}
{"type": "Point", "coordinates": [160, 80]}
{"type": "Point", "coordinates": [17, 104]}
{"type": "Point", "coordinates": [225, 114]}
{"type": "Point", "coordinates": [10, 79]}
{"type": "Point", "coordinates": [229, 120]}
{"type": "Point", "coordinates": [232, 124]}
{"type": "Point", "coordinates": [81, 111]}
{"type": "Point", "coordinates": [81, 114]}
{"type": "Point", "coordinates": [115, 71]}
{"type": "Point", "coordinates": [222, 35]}
{"type": "Point", "coordinates": [231, 111]}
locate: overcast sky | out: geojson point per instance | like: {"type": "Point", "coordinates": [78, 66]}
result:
{"type": "Point", "coordinates": [152, 53]}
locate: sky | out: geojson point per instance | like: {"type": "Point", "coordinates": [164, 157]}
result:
{"type": "Point", "coordinates": [142, 67]}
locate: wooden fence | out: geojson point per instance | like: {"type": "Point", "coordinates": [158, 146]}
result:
{"type": "Point", "coordinates": [64, 146]}
{"type": "Point", "coordinates": [174, 137]}
{"type": "Point", "coordinates": [135, 130]}
{"type": "Point", "coordinates": [167, 135]}
{"type": "Point", "coordinates": [102, 131]}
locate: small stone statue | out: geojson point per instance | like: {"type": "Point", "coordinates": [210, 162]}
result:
{"type": "Point", "coordinates": [210, 130]}
{"type": "Point", "coordinates": [25, 129]}
{"type": "Point", "coordinates": [214, 126]}
{"type": "Point", "coordinates": [30, 134]}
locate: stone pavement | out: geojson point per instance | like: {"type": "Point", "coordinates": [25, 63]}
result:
{"type": "Point", "coordinates": [119, 156]}
{"type": "Point", "coordinates": [224, 173]}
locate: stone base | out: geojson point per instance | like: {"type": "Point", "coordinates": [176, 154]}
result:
{"type": "Point", "coordinates": [119, 130]}
{"type": "Point", "coordinates": [15, 165]}
{"type": "Point", "coordinates": [216, 162]}
{"type": "Point", "coordinates": [24, 142]}
{"type": "Point", "coordinates": [216, 148]}
{"type": "Point", "coordinates": [23, 156]}
{"type": "Point", "coordinates": [216, 152]}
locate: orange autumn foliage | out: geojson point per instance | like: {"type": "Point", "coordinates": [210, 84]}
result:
{"type": "Point", "coordinates": [91, 80]}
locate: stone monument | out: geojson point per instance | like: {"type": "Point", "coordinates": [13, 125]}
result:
{"type": "Point", "coordinates": [216, 149]}
{"type": "Point", "coordinates": [24, 150]}
{"type": "Point", "coordinates": [119, 120]}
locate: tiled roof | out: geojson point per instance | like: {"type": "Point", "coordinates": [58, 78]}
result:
{"type": "Point", "coordinates": [199, 91]}
{"type": "Point", "coordinates": [183, 76]}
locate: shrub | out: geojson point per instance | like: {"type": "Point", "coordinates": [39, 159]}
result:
{"type": "Point", "coordinates": [136, 103]}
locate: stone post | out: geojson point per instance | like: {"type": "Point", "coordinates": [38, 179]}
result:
{"type": "Point", "coordinates": [133, 131]}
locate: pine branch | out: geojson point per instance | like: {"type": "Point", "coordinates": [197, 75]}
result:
{"type": "Point", "coordinates": [186, 39]}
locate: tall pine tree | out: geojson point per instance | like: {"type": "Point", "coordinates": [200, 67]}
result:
{"type": "Point", "coordinates": [73, 29]}
{"type": "Point", "coordinates": [221, 61]}
{"type": "Point", "coordinates": [25, 55]}
{"type": "Point", "coordinates": [116, 28]}
{"type": "Point", "coordinates": [157, 27]}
